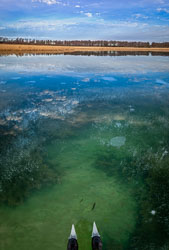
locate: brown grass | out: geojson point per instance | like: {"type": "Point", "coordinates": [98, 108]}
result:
{"type": "Point", "coordinates": [38, 49]}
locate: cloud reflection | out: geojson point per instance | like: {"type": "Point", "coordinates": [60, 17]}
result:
{"type": "Point", "coordinates": [59, 64]}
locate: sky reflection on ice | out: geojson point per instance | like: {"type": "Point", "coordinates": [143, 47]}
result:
{"type": "Point", "coordinates": [56, 64]}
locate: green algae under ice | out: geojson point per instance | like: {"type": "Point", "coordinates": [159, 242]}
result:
{"type": "Point", "coordinates": [84, 139]}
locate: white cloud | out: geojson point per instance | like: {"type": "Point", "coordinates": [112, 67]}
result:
{"type": "Point", "coordinates": [138, 15]}
{"type": "Point", "coordinates": [77, 6]}
{"type": "Point", "coordinates": [48, 2]}
{"type": "Point", "coordinates": [89, 14]}
{"type": "Point", "coordinates": [163, 9]}
{"type": "Point", "coordinates": [160, 1]}
{"type": "Point", "coordinates": [42, 25]}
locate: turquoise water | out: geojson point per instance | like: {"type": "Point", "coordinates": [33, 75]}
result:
{"type": "Point", "coordinates": [84, 139]}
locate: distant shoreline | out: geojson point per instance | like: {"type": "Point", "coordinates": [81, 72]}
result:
{"type": "Point", "coordinates": [8, 49]}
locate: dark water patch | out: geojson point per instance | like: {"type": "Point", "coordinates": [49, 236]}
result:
{"type": "Point", "coordinates": [152, 230]}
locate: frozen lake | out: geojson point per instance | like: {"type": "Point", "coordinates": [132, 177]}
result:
{"type": "Point", "coordinates": [82, 130]}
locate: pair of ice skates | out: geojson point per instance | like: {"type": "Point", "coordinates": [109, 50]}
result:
{"type": "Point", "coordinates": [96, 240]}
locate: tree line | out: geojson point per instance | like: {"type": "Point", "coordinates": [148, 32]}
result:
{"type": "Point", "coordinates": [89, 43]}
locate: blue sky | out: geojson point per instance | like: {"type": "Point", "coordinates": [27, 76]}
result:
{"type": "Point", "coordinates": [145, 20]}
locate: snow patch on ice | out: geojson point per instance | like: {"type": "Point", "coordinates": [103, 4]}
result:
{"type": "Point", "coordinates": [117, 141]}
{"type": "Point", "coordinates": [109, 78]}
{"type": "Point", "coordinates": [159, 81]}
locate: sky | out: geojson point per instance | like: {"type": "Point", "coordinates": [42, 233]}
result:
{"type": "Point", "coordinates": [131, 20]}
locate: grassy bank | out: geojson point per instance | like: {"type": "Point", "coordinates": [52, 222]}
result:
{"type": "Point", "coordinates": [22, 48]}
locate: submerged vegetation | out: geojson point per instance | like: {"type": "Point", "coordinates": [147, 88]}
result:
{"type": "Point", "coordinates": [147, 174]}
{"type": "Point", "coordinates": [24, 168]}
{"type": "Point", "coordinates": [23, 176]}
